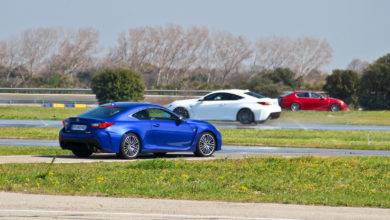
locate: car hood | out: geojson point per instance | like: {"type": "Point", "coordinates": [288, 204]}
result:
{"type": "Point", "coordinates": [334, 100]}
{"type": "Point", "coordinates": [197, 122]}
{"type": "Point", "coordinates": [184, 101]}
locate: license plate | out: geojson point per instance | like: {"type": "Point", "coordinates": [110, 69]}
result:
{"type": "Point", "coordinates": [79, 127]}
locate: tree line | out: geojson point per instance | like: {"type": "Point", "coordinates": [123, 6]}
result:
{"type": "Point", "coordinates": [168, 56]}
{"type": "Point", "coordinates": [174, 57]}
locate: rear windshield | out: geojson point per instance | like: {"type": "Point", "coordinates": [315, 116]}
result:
{"type": "Point", "coordinates": [287, 94]}
{"type": "Point", "coordinates": [102, 112]}
{"type": "Point", "coordinates": [255, 95]}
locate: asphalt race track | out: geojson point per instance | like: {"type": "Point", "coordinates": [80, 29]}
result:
{"type": "Point", "coordinates": [25, 206]}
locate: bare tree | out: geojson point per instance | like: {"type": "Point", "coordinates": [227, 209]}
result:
{"type": "Point", "coordinates": [76, 51]}
{"type": "Point", "coordinates": [358, 65]}
{"type": "Point", "coordinates": [195, 40]}
{"type": "Point", "coordinates": [310, 54]}
{"type": "Point", "coordinates": [272, 52]}
{"type": "Point", "coordinates": [10, 57]}
{"type": "Point", "coordinates": [231, 52]}
{"type": "Point", "coordinates": [302, 55]}
{"type": "Point", "coordinates": [171, 49]}
{"type": "Point", "coordinates": [35, 47]}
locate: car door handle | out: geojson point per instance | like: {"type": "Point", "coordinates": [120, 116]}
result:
{"type": "Point", "coordinates": [156, 125]}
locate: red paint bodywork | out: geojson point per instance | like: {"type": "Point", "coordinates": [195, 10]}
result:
{"type": "Point", "coordinates": [315, 101]}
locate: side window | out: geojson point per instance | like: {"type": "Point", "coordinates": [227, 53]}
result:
{"type": "Point", "coordinates": [315, 95]}
{"type": "Point", "coordinates": [160, 114]}
{"type": "Point", "coordinates": [142, 115]}
{"type": "Point", "coordinates": [233, 97]}
{"type": "Point", "coordinates": [214, 97]}
{"type": "Point", "coordinates": [303, 95]}
{"type": "Point", "coordinates": [221, 96]}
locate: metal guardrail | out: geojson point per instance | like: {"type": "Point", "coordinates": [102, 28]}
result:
{"type": "Point", "coordinates": [89, 91]}
{"type": "Point", "coordinates": [46, 90]}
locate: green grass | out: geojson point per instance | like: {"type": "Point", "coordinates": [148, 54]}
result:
{"type": "Point", "coordinates": [343, 117]}
{"type": "Point", "coordinates": [17, 150]}
{"type": "Point", "coordinates": [41, 133]}
{"type": "Point", "coordinates": [363, 140]}
{"type": "Point", "coordinates": [352, 181]}
{"type": "Point", "coordinates": [38, 113]}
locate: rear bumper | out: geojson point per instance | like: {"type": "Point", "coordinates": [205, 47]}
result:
{"type": "Point", "coordinates": [95, 142]}
{"type": "Point", "coordinates": [75, 144]}
{"type": "Point", "coordinates": [274, 115]}
{"type": "Point", "coordinates": [271, 112]}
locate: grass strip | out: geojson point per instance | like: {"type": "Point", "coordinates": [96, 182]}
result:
{"type": "Point", "coordinates": [39, 133]}
{"type": "Point", "coordinates": [352, 181]}
{"type": "Point", "coordinates": [362, 140]}
{"type": "Point", "coordinates": [343, 117]}
{"type": "Point", "coordinates": [38, 113]}
{"type": "Point", "coordinates": [17, 150]}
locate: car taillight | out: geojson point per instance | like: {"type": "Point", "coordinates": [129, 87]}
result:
{"type": "Point", "coordinates": [65, 123]}
{"type": "Point", "coordinates": [265, 103]}
{"type": "Point", "coordinates": [101, 125]}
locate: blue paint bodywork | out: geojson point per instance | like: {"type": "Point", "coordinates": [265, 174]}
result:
{"type": "Point", "coordinates": [155, 135]}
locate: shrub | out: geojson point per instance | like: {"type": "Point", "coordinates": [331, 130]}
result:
{"type": "Point", "coordinates": [344, 85]}
{"type": "Point", "coordinates": [272, 83]}
{"type": "Point", "coordinates": [118, 84]}
{"type": "Point", "coordinates": [375, 89]}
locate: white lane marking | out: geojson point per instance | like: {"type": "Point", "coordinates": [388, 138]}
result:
{"type": "Point", "coordinates": [140, 214]}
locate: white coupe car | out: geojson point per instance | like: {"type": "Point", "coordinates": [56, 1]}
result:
{"type": "Point", "coordinates": [233, 104]}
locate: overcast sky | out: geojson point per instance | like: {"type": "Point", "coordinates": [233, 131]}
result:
{"type": "Point", "coordinates": [354, 28]}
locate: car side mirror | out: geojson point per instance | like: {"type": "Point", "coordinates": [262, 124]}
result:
{"type": "Point", "coordinates": [200, 100]}
{"type": "Point", "coordinates": [322, 98]}
{"type": "Point", "coordinates": [180, 119]}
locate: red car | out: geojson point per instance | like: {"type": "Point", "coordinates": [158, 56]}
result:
{"type": "Point", "coordinates": [307, 100]}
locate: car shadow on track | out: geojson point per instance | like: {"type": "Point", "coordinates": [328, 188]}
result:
{"type": "Point", "coordinates": [108, 156]}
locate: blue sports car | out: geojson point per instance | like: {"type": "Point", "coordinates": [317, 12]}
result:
{"type": "Point", "coordinates": [129, 128]}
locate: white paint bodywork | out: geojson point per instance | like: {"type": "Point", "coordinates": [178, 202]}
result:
{"type": "Point", "coordinates": [227, 109]}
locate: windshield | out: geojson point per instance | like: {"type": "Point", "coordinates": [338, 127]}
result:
{"type": "Point", "coordinates": [255, 95]}
{"type": "Point", "coordinates": [102, 112]}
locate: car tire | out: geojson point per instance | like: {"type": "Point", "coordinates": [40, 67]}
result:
{"type": "Point", "coordinates": [245, 116]}
{"type": "Point", "coordinates": [206, 145]}
{"type": "Point", "coordinates": [182, 111]}
{"type": "Point", "coordinates": [130, 147]}
{"type": "Point", "coordinates": [82, 153]}
{"type": "Point", "coordinates": [160, 154]}
{"type": "Point", "coordinates": [335, 107]}
{"type": "Point", "coordinates": [295, 107]}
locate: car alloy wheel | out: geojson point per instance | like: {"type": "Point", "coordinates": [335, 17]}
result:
{"type": "Point", "coordinates": [130, 146]}
{"type": "Point", "coordinates": [335, 107]}
{"type": "Point", "coordinates": [206, 145]}
{"type": "Point", "coordinates": [182, 111]}
{"type": "Point", "coordinates": [295, 107]}
{"type": "Point", "coordinates": [245, 116]}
